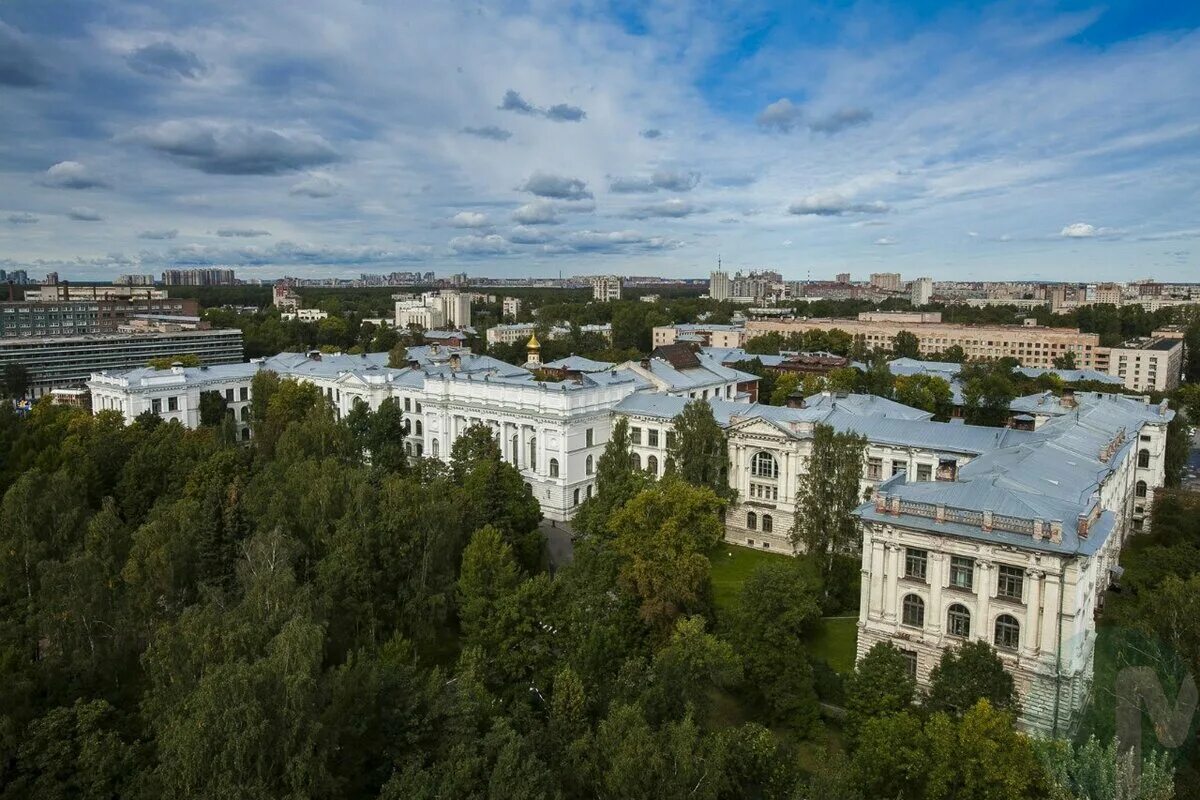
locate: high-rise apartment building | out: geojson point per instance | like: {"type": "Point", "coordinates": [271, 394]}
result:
{"type": "Point", "coordinates": [606, 288]}
{"type": "Point", "coordinates": [209, 276]}
{"type": "Point", "coordinates": [886, 281]}
{"type": "Point", "coordinates": [719, 287]}
{"type": "Point", "coordinates": [921, 291]}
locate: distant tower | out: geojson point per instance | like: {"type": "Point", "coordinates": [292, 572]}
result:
{"type": "Point", "coordinates": [534, 353]}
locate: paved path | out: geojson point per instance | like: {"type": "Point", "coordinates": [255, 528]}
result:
{"type": "Point", "coordinates": [559, 548]}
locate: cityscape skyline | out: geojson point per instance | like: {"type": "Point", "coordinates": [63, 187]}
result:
{"type": "Point", "coordinates": [994, 144]}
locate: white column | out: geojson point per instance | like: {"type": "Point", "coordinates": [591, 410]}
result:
{"type": "Point", "coordinates": [982, 628]}
{"type": "Point", "coordinates": [878, 579]}
{"type": "Point", "coordinates": [893, 576]}
{"type": "Point", "coordinates": [937, 585]}
{"type": "Point", "coordinates": [1051, 591]}
{"type": "Point", "coordinates": [1029, 632]}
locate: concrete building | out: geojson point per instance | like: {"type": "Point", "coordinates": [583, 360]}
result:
{"type": "Point", "coordinates": [921, 291]}
{"type": "Point", "coordinates": [210, 276]}
{"type": "Point", "coordinates": [972, 533]}
{"type": "Point", "coordinates": [68, 361]}
{"type": "Point", "coordinates": [434, 309]}
{"type": "Point", "coordinates": [843, 277]}
{"type": "Point", "coordinates": [677, 370]}
{"type": "Point", "coordinates": [134, 280]}
{"type": "Point", "coordinates": [719, 286]}
{"type": "Point", "coordinates": [699, 333]}
{"type": "Point", "coordinates": [886, 281]}
{"type": "Point", "coordinates": [41, 318]}
{"type": "Point", "coordinates": [51, 292]}
{"type": "Point", "coordinates": [606, 288]}
{"type": "Point", "coordinates": [1031, 345]}
{"type": "Point", "coordinates": [305, 315]}
{"type": "Point", "coordinates": [511, 307]}
{"type": "Point", "coordinates": [1148, 364]}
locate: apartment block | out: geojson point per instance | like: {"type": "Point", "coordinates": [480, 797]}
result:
{"type": "Point", "coordinates": [1032, 345]}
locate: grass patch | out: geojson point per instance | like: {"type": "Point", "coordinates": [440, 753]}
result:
{"type": "Point", "coordinates": [835, 641]}
{"type": "Point", "coordinates": [731, 566]}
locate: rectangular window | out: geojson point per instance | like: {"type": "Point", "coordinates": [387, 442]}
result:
{"type": "Point", "coordinates": [962, 572]}
{"type": "Point", "coordinates": [899, 466]}
{"type": "Point", "coordinates": [156, 406]}
{"type": "Point", "coordinates": [408, 404]}
{"type": "Point", "coordinates": [244, 393]}
{"type": "Point", "coordinates": [915, 563]}
{"type": "Point", "coordinates": [910, 661]}
{"type": "Point", "coordinates": [635, 435]}
{"type": "Point", "coordinates": [1011, 582]}
{"type": "Point", "coordinates": [924, 472]}
{"type": "Point", "coordinates": [172, 403]}
{"type": "Point", "coordinates": [874, 469]}
{"type": "Point", "coordinates": [229, 394]}
{"type": "Point", "coordinates": [652, 437]}
{"type": "Point", "coordinates": [589, 437]}
{"type": "Point", "coordinates": [670, 439]}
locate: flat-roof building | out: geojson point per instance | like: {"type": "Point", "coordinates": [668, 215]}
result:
{"type": "Point", "coordinates": [1032, 345]}
{"type": "Point", "coordinates": [68, 361]}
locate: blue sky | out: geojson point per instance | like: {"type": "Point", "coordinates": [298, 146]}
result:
{"type": "Point", "coordinates": [328, 137]}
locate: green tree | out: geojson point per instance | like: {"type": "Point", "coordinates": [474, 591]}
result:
{"type": "Point", "coordinates": [982, 756]}
{"type": "Point", "coordinates": [905, 344]}
{"type": "Point", "coordinates": [617, 482]}
{"type": "Point", "coordinates": [699, 453]}
{"type": "Point", "coordinates": [926, 392]}
{"type": "Point", "coordinates": [1095, 771]}
{"type": "Point", "coordinates": [827, 494]}
{"type": "Point", "coordinates": [16, 380]}
{"type": "Point", "coordinates": [778, 609]}
{"type": "Point", "coordinates": [212, 408]}
{"type": "Point", "coordinates": [691, 665]}
{"type": "Point", "coordinates": [182, 359]}
{"type": "Point", "coordinates": [1065, 361]}
{"type": "Point", "coordinates": [880, 685]}
{"type": "Point", "coordinates": [967, 674]}
{"type": "Point", "coordinates": [489, 572]}
{"type": "Point", "coordinates": [662, 536]}
{"type": "Point", "coordinates": [385, 436]}
{"type": "Point", "coordinates": [784, 386]}
{"type": "Point", "coordinates": [988, 391]}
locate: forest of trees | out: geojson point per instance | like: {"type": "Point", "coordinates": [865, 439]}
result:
{"type": "Point", "coordinates": [312, 615]}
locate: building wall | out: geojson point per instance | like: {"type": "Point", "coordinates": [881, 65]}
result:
{"type": "Point", "coordinates": [1033, 346]}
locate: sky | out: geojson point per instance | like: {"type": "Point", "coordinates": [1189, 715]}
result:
{"type": "Point", "coordinates": [1019, 140]}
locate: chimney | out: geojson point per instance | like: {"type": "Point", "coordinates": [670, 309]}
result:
{"type": "Point", "coordinates": [1056, 532]}
{"type": "Point", "coordinates": [1081, 526]}
{"type": "Point", "coordinates": [987, 520]}
{"type": "Point", "coordinates": [939, 513]}
{"type": "Point", "coordinates": [645, 363]}
{"type": "Point", "coordinates": [880, 502]}
{"type": "Point", "coordinates": [1039, 530]}
{"type": "Point", "coordinates": [1067, 400]}
{"type": "Point", "coordinates": [455, 362]}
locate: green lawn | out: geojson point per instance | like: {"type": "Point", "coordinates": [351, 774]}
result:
{"type": "Point", "coordinates": [731, 566]}
{"type": "Point", "coordinates": [835, 642]}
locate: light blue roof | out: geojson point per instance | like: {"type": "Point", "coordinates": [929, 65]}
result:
{"type": "Point", "coordinates": [864, 404]}
{"type": "Point", "coordinates": [574, 363]}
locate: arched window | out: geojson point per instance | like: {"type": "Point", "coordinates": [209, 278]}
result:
{"type": "Point", "coordinates": [408, 448]}
{"type": "Point", "coordinates": [652, 465]}
{"type": "Point", "coordinates": [435, 445]}
{"type": "Point", "coordinates": [914, 611]}
{"type": "Point", "coordinates": [1140, 489]}
{"type": "Point", "coordinates": [958, 621]}
{"type": "Point", "coordinates": [515, 451]}
{"type": "Point", "coordinates": [588, 465]}
{"type": "Point", "coordinates": [752, 521]}
{"type": "Point", "coordinates": [764, 465]}
{"type": "Point", "coordinates": [768, 524]}
{"type": "Point", "coordinates": [533, 452]}
{"type": "Point", "coordinates": [1143, 457]}
{"type": "Point", "coordinates": [420, 429]}
{"type": "Point", "coordinates": [636, 460]}
{"type": "Point", "coordinates": [589, 491]}
{"type": "Point", "coordinates": [554, 468]}
{"type": "Point", "coordinates": [1008, 632]}
{"type": "Point", "coordinates": [576, 500]}
{"type": "Point", "coordinates": [245, 413]}
{"type": "Point", "coordinates": [529, 488]}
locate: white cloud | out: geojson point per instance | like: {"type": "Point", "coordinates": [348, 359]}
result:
{"type": "Point", "coordinates": [72, 175]}
{"type": "Point", "coordinates": [85, 214]}
{"type": "Point", "coordinates": [316, 185]}
{"type": "Point", "coordinates": [832, 204]}
{"type": "Point", "coordinates": [468, 219]}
